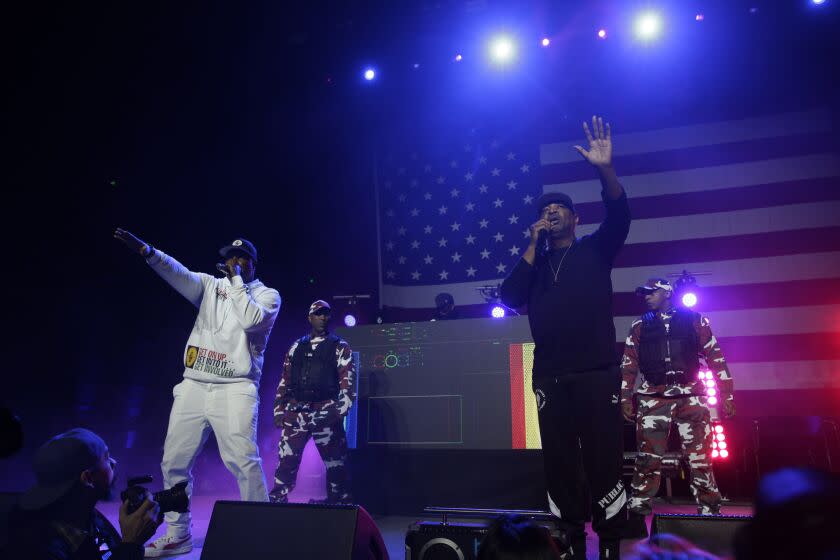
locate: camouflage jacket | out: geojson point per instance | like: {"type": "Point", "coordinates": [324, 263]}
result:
{"type": "Point", "coordinates": [709, 350]}
{"type": "Point", "coordinates": [329, 411]}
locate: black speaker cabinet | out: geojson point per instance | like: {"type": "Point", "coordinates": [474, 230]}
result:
{"type": "Point", "coordinates": [714, 533]}
{"type": "Point", "coordinates": [432, 540]}
{"type": "Point", "coordinates": [292, 531]}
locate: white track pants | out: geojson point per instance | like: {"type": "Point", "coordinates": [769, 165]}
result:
{"type": "Point", "coordinates": [230, 411]}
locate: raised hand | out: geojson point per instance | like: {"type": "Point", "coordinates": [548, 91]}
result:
{"type": "Point", "coordinates": [600, 143]}
{"type": "Point", "coordinates": [131, 241]}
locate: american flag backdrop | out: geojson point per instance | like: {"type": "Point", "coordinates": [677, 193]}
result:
{"type": "Point", "coordinates": [752, 205]}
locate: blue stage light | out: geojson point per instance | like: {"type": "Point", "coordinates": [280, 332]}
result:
{"type": "Point", "coordinates": [497, 312]}
{"type": "Point", "coordinates": [370, 74]}
{"type": "Point", "coordinates": [648, 26]}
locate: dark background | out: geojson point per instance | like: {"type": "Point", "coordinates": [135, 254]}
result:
{"type": "Point", "coordinates": [192, 123]}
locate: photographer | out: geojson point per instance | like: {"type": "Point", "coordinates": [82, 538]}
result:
{"type": "Point", "coordinates": [57, 518]}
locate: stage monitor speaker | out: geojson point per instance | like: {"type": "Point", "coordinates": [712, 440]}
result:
{"type": "Point", "coordinates": [292, 531]}
{"type": "Point", "coordinates": [714, 533]}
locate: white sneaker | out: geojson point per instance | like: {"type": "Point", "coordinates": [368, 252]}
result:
{"type": "Point", "coordinates": [169, 546]}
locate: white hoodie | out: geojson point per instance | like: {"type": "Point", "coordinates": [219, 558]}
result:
{"type": "Point", "coordinates": [228, 340]}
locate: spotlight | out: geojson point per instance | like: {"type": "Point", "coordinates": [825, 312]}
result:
{"type": "Point", "coordinates": [497, 312]}
{"type": "Point", "coordinates": [648, 26]}
{"type": "Point", "coordinates": [712, 401]}
{"type": "Point", "coordinates": [545, 42]}
{"type": "Point", "coordinates": [602, 33]}
{"type": "Point", "coordinates": [349, 320]}
{"type": "Point", "coordinates": [711, 392]}
{"type": "Point", "coordinates": [689, 299]}
{"type": "Point", "coordinates": [710, 383]}
{"type": "Point", "coordinates": [458, 57]}
{"type": "Point", "coordinates": [502, 50]}
{"type": "Point", "coordinates": [699, 17]}
{"type": "Point", "coordinates": [370, 74]}
{"type": "Point", "coordinates": [818, 2]}
{"type": "Point", "coordinates": [722, 445]}
{"type": "Point", "coordinates": [720, 437]}
{"type": "Point", "coordinates": [719, 429]}
{"type": "Point", "coordinates": [715, 454]}
{"type": "Point", "coordinates": [724, 453]}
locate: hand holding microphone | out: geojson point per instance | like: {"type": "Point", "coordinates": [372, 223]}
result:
{"type": "Point", "coordinates": [229, 271]}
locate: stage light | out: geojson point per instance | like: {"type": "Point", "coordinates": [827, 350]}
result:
{"type": "Point", "coordinates": [719, 429]}
{"type": "Point", "coordinates": [710, 383]}
{"type": "Point", "coordinates": [370, 74]}
{"type": "Point", "coordinates": [349, 320]}
{"type": "Point", "coordinates": [458, 57]}
{"type": "Point", "coordinates": [502, 50]}
{"type": "Point", "coordinates": [723, 453]}
{"type": "Point", "coordinates": [689, 299]}
{"type": "Point", "coordinates": [720, 437]}
{"type": "Point", "coordinates": [713, 401]}
{"type": "Point", "coordinates": [648, 26]}
{"type": "Point", "coordinates": [722, 445]}
{"type": "Point", "coordinates": [497, 312]}
{"type": "Point", "coordinates": [545, 42]}
{"type": "Point", "coordinates": [602, 33]}
{"type": "Point", "coordinates": [699, 17]}
{"type": "Point", "coordinates": [711, 392]}
{"type": "Point", "coordinates": [818, 2]}
{"type": "Point", "coordinates": [715, 454]}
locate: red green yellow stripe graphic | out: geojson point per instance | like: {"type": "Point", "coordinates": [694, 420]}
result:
{"type": "Point", "coordinates": [525, 427]}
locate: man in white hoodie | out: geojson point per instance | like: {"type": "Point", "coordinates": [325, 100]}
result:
{"type": "Point", "coordinates": [223, 362]}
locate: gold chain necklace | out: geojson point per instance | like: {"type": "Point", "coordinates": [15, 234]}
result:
{"type": "Point", "coordinates": [559, 266]}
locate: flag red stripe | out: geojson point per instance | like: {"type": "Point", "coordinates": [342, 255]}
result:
{"type": "Point", "coordinates": [754, 245]}
{"type": "Point", "coordinates": [699, 156]}
{"type": "Point", "coordinates": [721, 200]}
{"type": "Point", "coordinates": [517, 398]}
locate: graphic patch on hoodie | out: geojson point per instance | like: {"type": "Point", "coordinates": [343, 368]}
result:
{"type": "Point", "coordinates": [208, 361]}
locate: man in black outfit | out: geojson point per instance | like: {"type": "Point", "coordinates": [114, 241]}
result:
{"type": "Point", "coordinates": [566, 283]}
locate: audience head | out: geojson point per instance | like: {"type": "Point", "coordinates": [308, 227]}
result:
{"type": "Point", "coordinates": [515, 537]}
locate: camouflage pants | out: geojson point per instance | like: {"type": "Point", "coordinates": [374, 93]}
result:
{"type": "Point", "coordinates": [331, 442]}
{"type": "Point", "coordinates": [653, 424]}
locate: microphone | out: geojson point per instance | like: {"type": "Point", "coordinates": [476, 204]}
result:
{"type": "Point", "coordinates": [222, 267]}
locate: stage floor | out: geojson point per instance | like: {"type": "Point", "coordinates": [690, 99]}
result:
{"type": "Point", "coordinates": [393, 527]}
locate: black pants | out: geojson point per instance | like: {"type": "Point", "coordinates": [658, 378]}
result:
{"type": "Point", "coordinates": [580, 424]}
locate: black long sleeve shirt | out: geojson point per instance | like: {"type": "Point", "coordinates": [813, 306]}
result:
{"type": "Point", "coordinates": [571, 318]}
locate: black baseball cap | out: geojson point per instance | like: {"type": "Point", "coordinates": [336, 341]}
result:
{"type": "Point", "coordinates": [58, 464]}
{"type": "Point", "coordinates": [654, 284]}
{"type": "Point", "coordinates": [554, 198]}
{"type": "Point", "coordinates": [241, 245]}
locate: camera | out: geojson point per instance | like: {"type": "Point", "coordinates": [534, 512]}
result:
{"type": "Point", "coordinates": [175, 499]}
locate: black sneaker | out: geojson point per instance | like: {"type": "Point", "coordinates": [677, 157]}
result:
{"type": "Point", "coordinates": [636, 527]}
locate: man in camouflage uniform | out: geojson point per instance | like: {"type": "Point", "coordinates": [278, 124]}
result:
{"type": "Point", "coordinates": [315, 393]}
{"type": "Point", "coordinates": [665, 345]}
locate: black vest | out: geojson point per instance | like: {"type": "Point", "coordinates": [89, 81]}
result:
{"type": "Point", "coordinates": [315, 373]}
{"type": "Point", "coordinates": [677, 350]}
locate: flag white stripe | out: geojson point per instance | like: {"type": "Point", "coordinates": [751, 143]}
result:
{"type": "Point", "coordinates": [763, 376]}
{"type": "Point", "coordinates": [698, 135]}
{"type": "Point", "coordinates": [708, 179]}
{"type": "Point", "coordinates": [760, 322]}
{"type": "Point", "coordinates": [806, 266]}
{"type": "Point", "coordinates": [738, 222]}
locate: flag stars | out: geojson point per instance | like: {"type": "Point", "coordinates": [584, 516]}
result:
{"type": "Point", "coordinates": [514, 219]}
{"type": "Point", "coordinates": [427, 229]}
{"type": "Point", "coordinates": [390, 274]}
{"type": "Point", "coordinates": [454, 193]}
{"type": "Point", "coordinates": [499, 237]}
{"type": "Point", "coordinates": [527, 199]}
{"type": "Point", "coordinates": [415, 244]}
{"type": "Point", "coordinates": [389, 246]}
{"type": "Point", "coordinates": [427, 196]}
{"type": "Point", "coordinates": [455, 226]}
{"type": "Point", "coordinates": [514, 251]}
{"type": "Point", "coordinates": [482, 160]}
{"type": "Point", "coordinates": [456, 257]}
{"type": "Point", "coordinates": [511, 185]}
{"type": "Point", "coordinates": [415, 275]}
{"type": "Point", "coordinates": [471, 272]}
{"type": "Point", "coordinates": [453, 164]}
{"type": "Point", "coordinates": [526, 233]}
{"type": "Point", "coordinates": [483, 224]}
{"type": "Point", "coordinates": [511, 156]}
{"type": "Point", "coordinates": [415, 212]}
{"type": "Point", "coordinates": [444, 275]}
{"type": "Point", "coordinates": [470, 206]}
{"type": "Point", "coordinates": [498, 203]}
{"type": "Point", "coordinates": [401, 260]}
{"type": "Point", "coordinates": [485, 254]}
{"type": "Point", "coordinates": [470, 239]}
{"type": "Point", "coordinates": [428, 259]}
{"type": "Point", "coordinates": [482, 189]}
{"type": "Point", "coordinates": [495, 172]}
{"type": "Point", "coordinates": [468, 176]}
{"type": "Point", "coordinates": [402, 197]}
{"type": "Point", "coordinates": [442, 210]}
{"type": "Point", "coordinates": [501, 268]}
{"type": "Point", "coordinates": [442, 242]}
{"type": "Point", "coordinates": [441, 180]}
{"type": "Point", "coordinates": [401, 231]}
{"type": "Point", "coordinates": [525, 168]}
